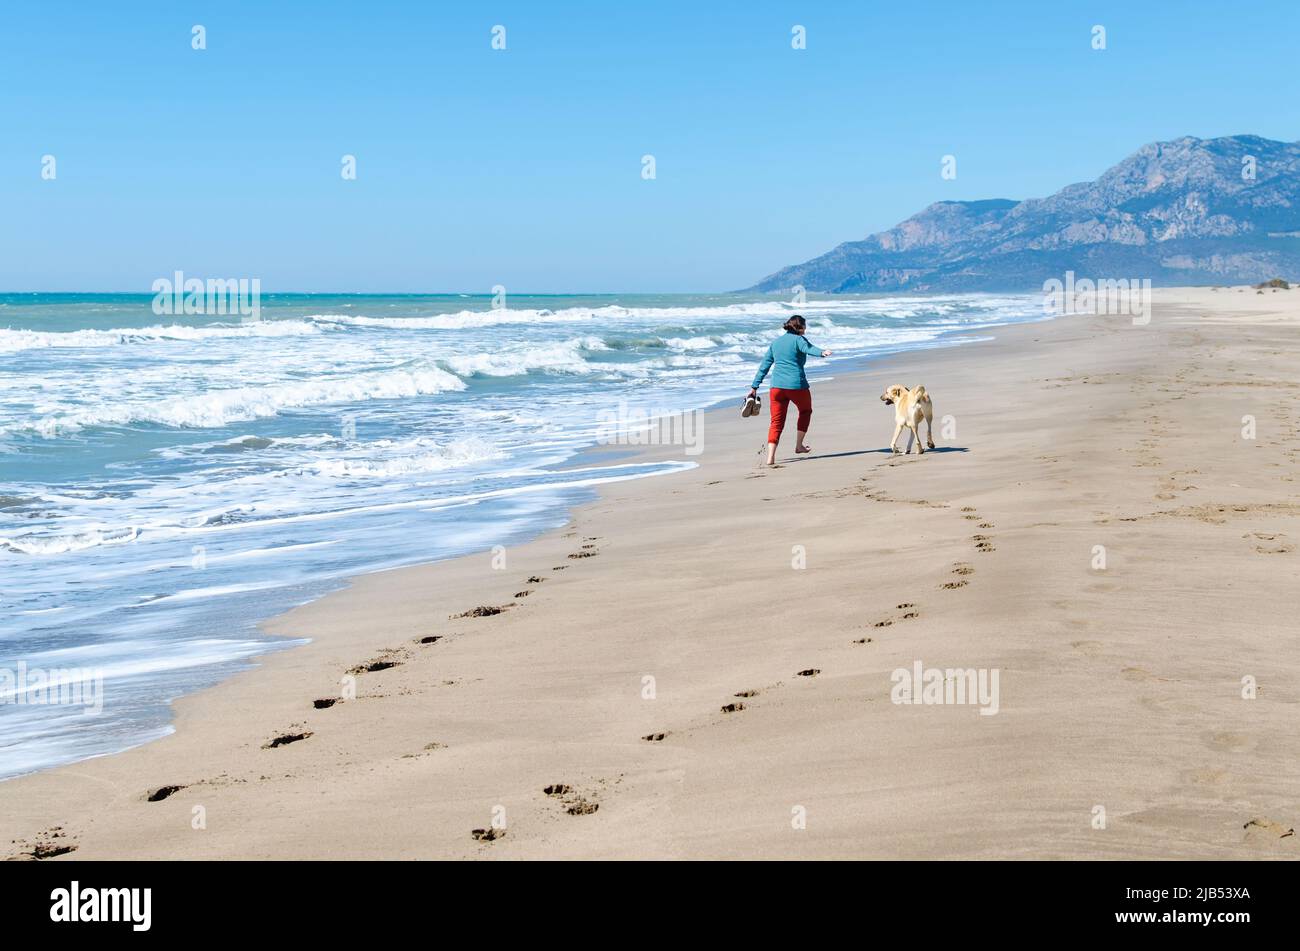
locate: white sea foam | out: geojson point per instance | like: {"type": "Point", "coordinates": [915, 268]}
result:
{"type": "Point", "coordinates": [39, 544]}
{"type": "Point", "coordinates": [12, 341]}
{"type": "Point", "coordinates": [379, 461]}
{"type": "Point", "coordinates": [470, 319]}
{"type": "Point", "coordinates": [690, 343]}
{"type": "Point", "coordinates": [560, 357]}
{"type": "Point", "coordinates": [222, 407]}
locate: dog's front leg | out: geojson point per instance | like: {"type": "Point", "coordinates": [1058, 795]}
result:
{"type": "Point", "coordinates": [893, 443]}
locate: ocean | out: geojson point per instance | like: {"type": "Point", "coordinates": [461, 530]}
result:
{"type": "Point", "coordinates": [167, 482]}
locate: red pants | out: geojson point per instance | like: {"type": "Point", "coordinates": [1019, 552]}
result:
{"type": "Point", "coordinates": [779, 400]}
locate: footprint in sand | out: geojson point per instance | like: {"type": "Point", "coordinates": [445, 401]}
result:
{"type": "Point", "coordinates": [733, 707]}
{"type": "Point", "coordinates": [1275, 547]}
{"type": "Point", "coordinates": [374, 666]}
{"type": "Point", "coordinates": [428, 748]}
{"type": "Point", "coordinates": [950, 585]}
{"type": "Point", "coordinates": [654, 737]}
{"type": "Point", "coordinates": [1267, 830]}
{"type": "Point", "coordinates": [161, 793]}
{"type": "Point", "coordinates": [863, 640]}
{"type": "Point", "coordinates": [810, 672]}
{"type": "Point", "coordinates": [49, 844]}
{"type": "Point", "coordinates": [324, 703]}
{"type": "Point", "coordinates": [575, 804]}
{"type": "Point", "coordinates": [284, 739]}
{"type": "Point", "coordinates": [483, 610]}
{"type": "Point", "coordinates": [909, 612]}
{"type": "Point", "coordinates": [488, 835]}
{"type": "Point", "coordinates": [746, 693]}
{"type": "Point", "coordinates": [961, 568]}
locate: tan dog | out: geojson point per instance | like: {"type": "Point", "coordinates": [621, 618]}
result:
{"type": "Point", "coordinates": [910, 406]}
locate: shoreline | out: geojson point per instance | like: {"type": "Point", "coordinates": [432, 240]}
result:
{"type": "Point", "coordinates": [687, 586]}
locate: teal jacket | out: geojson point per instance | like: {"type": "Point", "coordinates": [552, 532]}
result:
{"type": "Point", "coordinates": [787, 354]}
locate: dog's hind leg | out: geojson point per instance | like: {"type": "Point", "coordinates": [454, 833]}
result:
{"type": "Point", "coordinates": [914, 434]}
{"type": "Point", "coordinates": [929, 427]}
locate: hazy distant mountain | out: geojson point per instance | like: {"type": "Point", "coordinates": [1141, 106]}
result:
{"type": "Point", "coordinates": [1177, 212]}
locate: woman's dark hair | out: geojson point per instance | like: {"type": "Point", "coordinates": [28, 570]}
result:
{"type": "Point", "coordinates": [795, 324]}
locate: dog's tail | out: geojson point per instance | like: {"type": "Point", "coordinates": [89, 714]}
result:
{"type": "Point", "coordinates": [920, 395]}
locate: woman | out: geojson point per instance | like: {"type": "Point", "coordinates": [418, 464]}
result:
{"type": "Point", "coordinates": [789, 385]}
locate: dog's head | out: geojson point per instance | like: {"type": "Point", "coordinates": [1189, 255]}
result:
{"type": "Point", "coordinates": [893, 394]}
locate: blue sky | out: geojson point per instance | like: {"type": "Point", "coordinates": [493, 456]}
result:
{"type": "Point", "coordinates": [522, 167]}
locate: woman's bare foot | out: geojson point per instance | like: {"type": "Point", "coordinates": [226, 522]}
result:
{"type": "Point", "coordinates": [802, 449]}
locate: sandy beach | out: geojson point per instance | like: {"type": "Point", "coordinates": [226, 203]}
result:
{"type": "Point", "coordinates": [791, 596]}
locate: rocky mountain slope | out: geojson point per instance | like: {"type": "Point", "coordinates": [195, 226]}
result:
{"type": "Point", "coordinates": [1189, 211]}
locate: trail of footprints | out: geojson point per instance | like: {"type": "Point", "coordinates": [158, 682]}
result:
{"type": "Point", "coordinates": [983, 543]}
{"type": "Point", "coordinates": [575, 804]}
{"type": "Point", "coordinates": [905, 611]}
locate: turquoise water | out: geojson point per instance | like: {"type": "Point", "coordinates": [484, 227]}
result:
{"type": "Point", "coordinates": [166, 482]}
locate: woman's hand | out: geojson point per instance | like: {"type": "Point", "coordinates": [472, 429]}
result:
{"type": "Point", "coordinates": [826, 353]}
{"type": "Point", "coordinates": [753, 391]}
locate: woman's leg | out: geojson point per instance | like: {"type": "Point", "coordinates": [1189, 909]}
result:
{"type": "Point", "coordinates": [778, 401]}
{"type": "Point", "coordinates": [803, 400]}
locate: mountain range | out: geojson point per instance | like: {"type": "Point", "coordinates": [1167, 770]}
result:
{"type": "Point", "coordinates": [1188, 211]}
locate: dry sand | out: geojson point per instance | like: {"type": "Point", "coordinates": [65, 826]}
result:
{"type": "Point", "coordinates": [1120, 689]}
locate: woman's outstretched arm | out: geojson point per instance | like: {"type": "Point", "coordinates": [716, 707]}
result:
{"type": "Point", "coordinates": [806, 346]}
